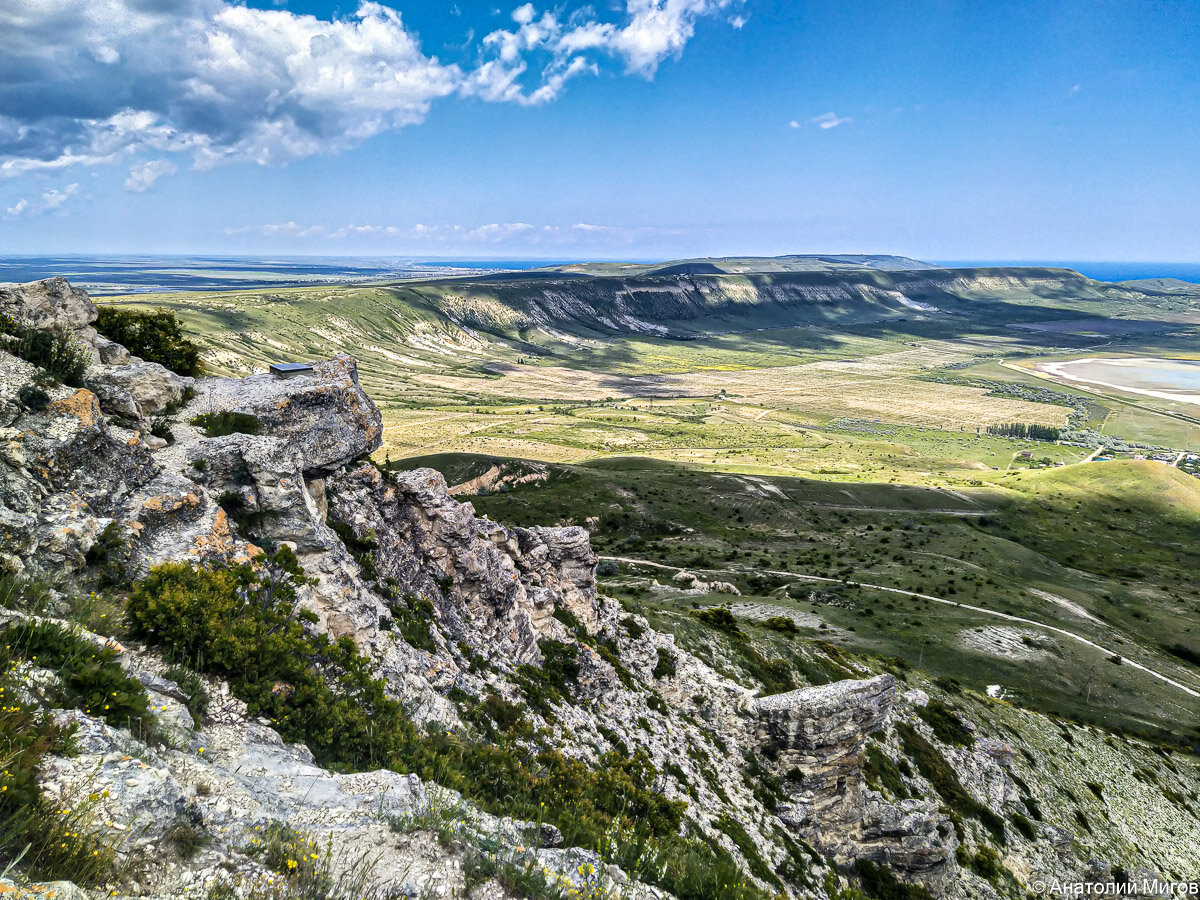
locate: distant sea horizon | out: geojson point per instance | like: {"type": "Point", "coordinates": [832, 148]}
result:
{"type": "Point", "coordinates": [107, 274]}
{"type": "Point", "coordinates": [1099, 270]}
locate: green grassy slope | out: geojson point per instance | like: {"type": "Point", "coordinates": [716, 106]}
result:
{"type": "Point", "coordinates": [1048, 550]}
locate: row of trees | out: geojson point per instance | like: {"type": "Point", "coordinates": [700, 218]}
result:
{"type": "Point", "coordinates": [1025, 432]}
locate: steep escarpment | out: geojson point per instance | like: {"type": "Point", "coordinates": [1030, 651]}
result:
{"type": "Point", "coordinates": [687, 302]}
{"type": "Point", "coordinates": [407, 699]}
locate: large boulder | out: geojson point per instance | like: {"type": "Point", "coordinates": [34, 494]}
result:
{"type": "Point", "coordinates": [326, 415]}
{"type": "Point", "coordinates": [138, 390]}
{"type": "Point", "coordinates": [815, 738]}
{"type": "Point", "coordinates": [50, 304]}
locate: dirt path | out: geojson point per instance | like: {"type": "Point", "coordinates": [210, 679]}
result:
{"type": "Point", "coordinates": [891, 590]}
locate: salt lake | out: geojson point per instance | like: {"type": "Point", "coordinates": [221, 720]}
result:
{"type": "Point", "coordinates": [1166, 379]}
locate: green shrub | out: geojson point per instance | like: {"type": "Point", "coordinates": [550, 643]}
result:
{"type": "Point", "coordinates": [91, 677]}
{"type": "Point", "coordinates": [720, 618]}
{"type": "Point", "coordinates": [1024, 826]}
{"type": "Point", "coordinates": [498, 717]}
{"type": "Point", "coordinates": [554, 680]}
{"type": "Point", "coordinates": [775, 674]}
{"type": "Point", "coordinates": [413, 615]}
{"type": "Point", "coordinates": [109, 556]}
{"type": "Point", "coordinates": [782, 624]}
{"type": "Point", "coordinates": [947, 726]}
{"type": "Point", "coordinates": [572, 622]}
{"type": "Point", "coordinates": [758, 866]}
{"type": "Point", "coordinates": [882, 773]}
{"type": "Point", "coordinates": [55, 351]}
{"type": "Point", "coordinates": [243, 625]}
{"type": "Point", "coordinates": [632, 627]}
{"type": "Point", "coordinates": [187, 838]}
{"type": "Point", "coordinates": [219, 424]}
{"type": "Point", "coordinates": [985, 863]}
{"type": "Point", "coordinates": [361, 548]}
{"type": "Point", "coordinates": [154, 336]}
{"type": "Point", "coordinates": [881, 884]}
{"type": "Point", "coordinates": [193, 688]}
{"type": "Point", "coordinates": [665, 666]}
{"type": "Point", "coordinates": [160, 427]}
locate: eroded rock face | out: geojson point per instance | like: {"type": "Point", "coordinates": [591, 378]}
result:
{"type": "Point", "coordinates": [814, 738]}
{"type": "Point", "coordinates": [64, 473]}
{"type": "Point", "coordinates": [327, 416]}
{"type": "Point", "coordinates": [486, 591]}
{"type": "Point", "coordinates": [821, 732]}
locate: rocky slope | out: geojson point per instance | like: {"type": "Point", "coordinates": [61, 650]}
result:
{"type": "Point", "coordinates": [451, 609]}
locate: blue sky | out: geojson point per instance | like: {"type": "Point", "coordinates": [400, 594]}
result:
{"type": "Point", "coordinates": [638, 129]}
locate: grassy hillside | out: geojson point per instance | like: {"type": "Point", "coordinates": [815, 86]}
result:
{"type": "Point", "coordinates": [1004, 551]}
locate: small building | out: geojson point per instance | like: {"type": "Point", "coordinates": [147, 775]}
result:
{"type": "Point", "coordinates": [290, 370]}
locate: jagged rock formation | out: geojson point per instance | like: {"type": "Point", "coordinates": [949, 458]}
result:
{"type": "Point", "coordinates": [815, 738]}
{"type": "Point", "coordinates": [50, 304]}
{"type": "Point", "coordinates": [820, 733]}
{"type": "Point", "coordinates": [486, 597]}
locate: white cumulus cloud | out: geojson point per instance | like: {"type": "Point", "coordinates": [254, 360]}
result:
{"type": "Point", "coordinates": [17, 208]}
{"type": "Point", "coordinates": [84, 83]}
{"type": "Point", "coordinates": [53, 198]}
{"type": "Point", "coordinates": [142, 177]}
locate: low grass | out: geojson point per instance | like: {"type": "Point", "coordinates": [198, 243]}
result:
{"type": "Point", "coordinates": [226, 422]}
{"type": "Point", "coordinates": [988, 547]}
{"type": "Point", "coordinates": [46, 838]}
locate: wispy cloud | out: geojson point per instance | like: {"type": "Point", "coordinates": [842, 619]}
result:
{"type": "Point", "coordinates": [828, 120]}
{"type": "Point", "coordinates": [17, 208]}
{"type": "Point", "coordinates": [223, 82]}
{"type": "Point", "coordinates": [523, 234]}
{"type": "Point", "coordinates": [54, 198]}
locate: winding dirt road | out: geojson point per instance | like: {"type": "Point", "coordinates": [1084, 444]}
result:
{"type": "Point", "coordinates": [891, 590]}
